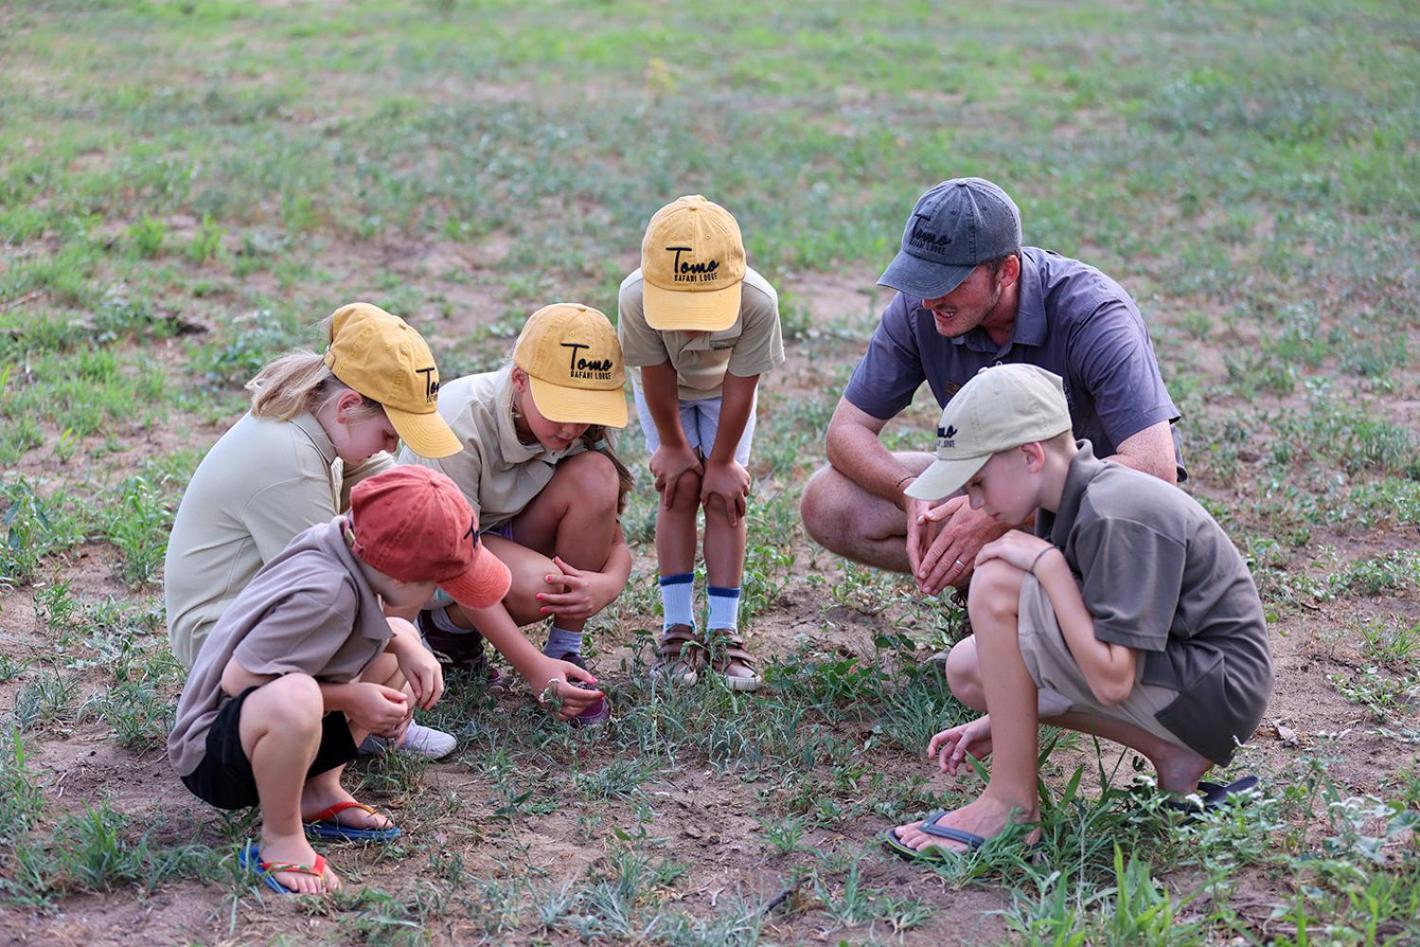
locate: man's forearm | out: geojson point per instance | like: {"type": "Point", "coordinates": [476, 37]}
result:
{"type": "Point", "coordinates": [856, 453]}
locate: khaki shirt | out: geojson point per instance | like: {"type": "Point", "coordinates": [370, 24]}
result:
{"type": "Point", "coordinates": [498, 473]}
{"type": "Point", "coordinates": [752, 346]}
{"type": "Point", "coordinates": [310, 611]}
{"type": "Point", "coordinates": [262, 483]}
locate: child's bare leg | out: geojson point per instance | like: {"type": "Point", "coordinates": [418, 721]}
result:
{"type": "Point", "coordinates": [280, 731]}
{"type": "Point", "coordinates": [1010, 694]}
{"type": "Point", "coordinates": [1179, 768]}
{"type": "Point", "coordinates": [675, 527]}
{"type": "Point", "coordinates": [324, 790]}
{"type": "Point", "coordinates": [724, 546]}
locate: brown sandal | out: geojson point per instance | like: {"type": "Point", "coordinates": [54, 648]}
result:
{"type": "Point", "coordinates": [731, 661]}
{"type": "Point", "coordinates": [679, 655]}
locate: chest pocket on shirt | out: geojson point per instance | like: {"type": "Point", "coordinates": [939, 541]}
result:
{"type": "Point", "coordinates": [726, 338]}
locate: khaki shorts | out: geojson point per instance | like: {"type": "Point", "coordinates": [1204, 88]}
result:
{"type": "Point", "coordinates": [1062, 684]}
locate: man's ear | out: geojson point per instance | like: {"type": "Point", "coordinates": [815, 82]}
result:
{"type": "Point", "coordinates": [1010, 271]}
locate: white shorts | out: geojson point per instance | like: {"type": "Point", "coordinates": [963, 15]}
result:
{"type": "Point", "coordinates": [700, 420]}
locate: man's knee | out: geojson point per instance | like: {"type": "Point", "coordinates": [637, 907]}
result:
{"type": "Point", "coordinates": [826, 517]}
{"type": "Point", "coordinates": [995, 590]}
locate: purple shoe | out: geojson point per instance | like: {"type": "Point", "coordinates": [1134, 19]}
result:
{"type": "Point", "coordinates": [598, 713]}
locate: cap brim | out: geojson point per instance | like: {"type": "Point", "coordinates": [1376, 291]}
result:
{"type": "Point", "coordinates": [606, 406]}
{"type": "Point", "coordinates": [945, 477]}
{"type": "Point", "coordinates": [684, 311]}
{"type": "Point", "coordinates": [913, 276]}
{"type": "Point", "coordinates": [428, 435]}
{"type": "Point", "coordinates": [485, 583]}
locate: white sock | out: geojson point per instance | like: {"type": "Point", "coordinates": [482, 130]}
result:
{"type": "Point", "coordinates": [677, 599]}
{"type": "Point", "coordinates": [724, 608]}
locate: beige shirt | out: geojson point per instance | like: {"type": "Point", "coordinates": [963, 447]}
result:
{"type": "Point", "coordinates": [498, 473]}
{"type": "Point", "coordinates": [308, 611]}
{"type": "Point", "coordinates": [752, 346]}
{"type": "Point", "coordinates": [262, 483]}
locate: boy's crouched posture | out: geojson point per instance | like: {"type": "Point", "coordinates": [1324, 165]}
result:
{"type": "Point", "coordinates": [304, 665]}
{"type": "Point", "coordinates": [1128, 615]}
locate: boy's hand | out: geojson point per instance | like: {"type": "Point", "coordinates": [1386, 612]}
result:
{"type": "Point", "coordinates": [730, 482]}
{"type": "Point", "coordinates": [667, 464]}
{"type": "Point", "coordinates": [1017, 547]}
{"type": "Point", "coordinates": [549, 680]}
{"type": "Point", "coordinates": [951, 746]}
{"type": "Point", "coordinates": [583, 592]}
{"type": "Point", "coordinates": [376, 708]}
{"type": "Point", "coordinates": [421, 671]}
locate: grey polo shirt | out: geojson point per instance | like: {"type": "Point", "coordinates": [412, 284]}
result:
{"type": "Point", "coordinates": [1159, 575]}
{"type": "Point", "coordinates": [1072, 320]}
{"type": "Point", "coordinates": [308, 611]}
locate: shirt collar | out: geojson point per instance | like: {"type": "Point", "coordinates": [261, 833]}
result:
{"type": "Point", "coordinates": [1029, 327]}
{"type": "Point", "coordinates": [311, 427]}
{"type": "Point", "coordinates": [1084, 467]}
{"type": "Point", "coordinates": [513, 450]}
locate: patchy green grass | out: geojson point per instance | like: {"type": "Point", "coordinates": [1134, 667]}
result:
{"type": "Point", "coordinates": [187, 188]}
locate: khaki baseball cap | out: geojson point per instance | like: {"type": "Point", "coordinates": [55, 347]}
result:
{"type": "Point", "coordinates": [1003, 407]}
{"type": "Point", "coordinates": [693, 264]}
{"type": "Point", "coordinates": [382, 357]}
{"type": "Point", "coordinates": [574, 365]}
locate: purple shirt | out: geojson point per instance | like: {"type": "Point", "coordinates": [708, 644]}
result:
{"type": "Point", "coordinates": [1072, 320]}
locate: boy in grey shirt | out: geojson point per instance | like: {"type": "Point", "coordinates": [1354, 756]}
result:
{"type": "Point", "coordinates": [1129, 615]}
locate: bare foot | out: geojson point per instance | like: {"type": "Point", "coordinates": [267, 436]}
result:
{"type": "Point", "coordinates": [984, 817]}
{"type": "Point", "coordinates": [316, 798]}
{"type": "Point", "coordinates": [295, 850]}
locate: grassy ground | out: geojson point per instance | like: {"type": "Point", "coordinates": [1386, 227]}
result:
{"type": "Point", "coordinates": [185, 188]}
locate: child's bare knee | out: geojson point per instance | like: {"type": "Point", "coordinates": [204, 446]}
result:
{"type": "Point", "coordinates": [995, 590]}
{"type": "Point", "coordinates": [964, 674]}
{"type": "Point", "coordinates": [593, 477]}
{"type": "Point", "coordinates": [292, 703]}
{"type": "Point", "coordinates": [686, 498]}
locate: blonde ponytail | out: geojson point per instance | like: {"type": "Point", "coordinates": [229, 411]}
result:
{"type": "Point", "coordinates": [296, 383]}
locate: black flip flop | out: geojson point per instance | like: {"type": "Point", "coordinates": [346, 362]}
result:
{"type": "Point", "coordinates": [1213, 796]}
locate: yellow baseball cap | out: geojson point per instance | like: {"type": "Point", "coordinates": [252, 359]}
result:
{"type": "Point", "coordinates": [573, 361]}
{"type": "Point", "coordinates": [693, 264]}
{"type": "Point", "coordinates": [382, 357]}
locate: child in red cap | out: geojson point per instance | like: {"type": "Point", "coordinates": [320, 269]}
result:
{"type": "Point", "coordinates": [304, 664]}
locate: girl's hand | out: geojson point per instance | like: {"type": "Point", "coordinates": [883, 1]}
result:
{"type": "Point", "coordinates": [583, 593]}
{"type": "Point", "coordinates": [550, 682]}
{"type": "Point", "coordinates": [951, 746]}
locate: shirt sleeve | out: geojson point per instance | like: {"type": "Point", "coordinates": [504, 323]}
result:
{"type": "Point", "coordinates": [890, 373]}
{"type": "Point", "coordinates": [1121, 373]}
{"type": "Point", "coordinates": [276, 513]}
{"type": "Point", "coordinates": [761, 344]}
{"type": "Point", "coordinates": [1133, 576]}
{"type": "Point", "coordinates": [640, 344]}
{"type": "Point", "coordinates": [301, 632]}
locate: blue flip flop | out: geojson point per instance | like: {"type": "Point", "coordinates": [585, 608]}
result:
{"type": "Point", "coordinates": [1213, 796]}
{"type": "Point", "coordinates": [250, 859]}
{"type": "Point", "coordinates": [931, 825]}
{"type": "Point", "coordinates": [325, 825]}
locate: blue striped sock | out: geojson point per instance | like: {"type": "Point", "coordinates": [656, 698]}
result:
{"type": "Point", "coordinates": [677, 592]}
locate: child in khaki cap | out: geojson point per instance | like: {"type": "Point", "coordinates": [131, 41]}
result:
{"type": "Point", "coordinates": [536, 465]}
{"type": "Point", "coordinates": [303, 665]}
{"type": "Point", "coordinates": [318, 424]}
{"type": "Point", "coordinates": [1129, 614]}
{"type": "Point", "coordinates": [702, 327]}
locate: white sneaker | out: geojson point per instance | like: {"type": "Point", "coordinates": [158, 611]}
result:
{"type": "Point", "coordinates": [426, 741]}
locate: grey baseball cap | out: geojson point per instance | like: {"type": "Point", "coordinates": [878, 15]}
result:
{"type": "Point", "coordinates": [955, 226]}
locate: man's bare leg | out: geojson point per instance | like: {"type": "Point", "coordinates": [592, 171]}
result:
{"type": "Point", "coordinates": [848, 520]}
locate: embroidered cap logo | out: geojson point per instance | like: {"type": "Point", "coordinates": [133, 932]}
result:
{"type": "Point", "coordinates": [946, 437]}
{"type": "Point", "coordinates": [684, 271]}
{"type": "Point", "coordinates": [596, 369]}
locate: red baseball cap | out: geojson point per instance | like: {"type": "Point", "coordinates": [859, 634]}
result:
{"type": "Point", "coordinates": [413, 524]}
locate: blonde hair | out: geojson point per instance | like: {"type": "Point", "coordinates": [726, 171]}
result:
{"type": "Point", "coordinates": [300, 382]}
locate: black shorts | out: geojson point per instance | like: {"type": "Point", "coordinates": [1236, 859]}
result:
{"type": "Point", "coordinates": [224, 777]}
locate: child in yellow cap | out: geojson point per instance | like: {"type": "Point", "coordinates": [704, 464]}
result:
{"type": "Point", "coordinates": [318, 424]}
{"type": "Point", "coordinates": [702, 327]}
{"type": "Point", "coordinates": [536, 466]}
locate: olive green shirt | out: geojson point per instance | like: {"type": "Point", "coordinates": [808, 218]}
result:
{"type": "Point", "coordinates": [263, 482]}
{"type": "Point", "coordinates": [752, 346]}
{"type": "Point", "coordinates": [1159, 575]}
